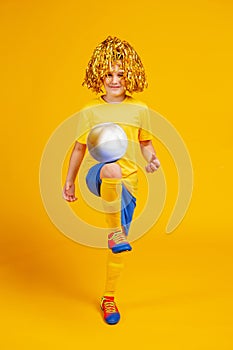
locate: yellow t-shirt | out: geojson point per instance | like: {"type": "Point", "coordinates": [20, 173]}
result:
{"type": "Point", "coordinates": [133, 116]}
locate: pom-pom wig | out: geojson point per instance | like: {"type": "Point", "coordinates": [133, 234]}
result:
{"type": "Point", "coordinates": [106, 53]}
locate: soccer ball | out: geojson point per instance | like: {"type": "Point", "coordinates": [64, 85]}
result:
{"type": "Point", "coordinates": [107, 142]}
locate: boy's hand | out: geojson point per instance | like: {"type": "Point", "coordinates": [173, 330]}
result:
{"type": "Point", "coordinates": [153, 165]}
{"type": "Point", "coordinates": [69, 192]}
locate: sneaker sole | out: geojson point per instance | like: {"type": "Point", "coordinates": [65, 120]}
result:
{"type": "Point", "coordinates": [121, 248]}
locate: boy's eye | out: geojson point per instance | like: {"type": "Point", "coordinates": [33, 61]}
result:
{"type": "Point", "coordinates": [109, 75]}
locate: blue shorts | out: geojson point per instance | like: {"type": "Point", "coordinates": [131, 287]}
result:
{"type": "Point", "coordinates": [128, 201]}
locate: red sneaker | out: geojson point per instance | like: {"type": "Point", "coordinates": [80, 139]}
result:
{"type": "Point", "coordinates": [111, 313]}
{"type": "Point", "coordinates": [117, 242]}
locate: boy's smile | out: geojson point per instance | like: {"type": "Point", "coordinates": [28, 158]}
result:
{"type": "Point", "coordinates": [114, 84]}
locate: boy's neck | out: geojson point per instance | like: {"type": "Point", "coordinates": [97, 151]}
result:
{"type": "Point", "coordinates": [115, 99]}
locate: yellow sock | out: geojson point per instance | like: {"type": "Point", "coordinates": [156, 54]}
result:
{"type": "Point", "coordinates": [114, 268]}
{"type": "Point", "coordinates": [111, 194]}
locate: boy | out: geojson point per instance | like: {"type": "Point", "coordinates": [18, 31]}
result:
{"type": "Point", "coordinates": [115, 66]}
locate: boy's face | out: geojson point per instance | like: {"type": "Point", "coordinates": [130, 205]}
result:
{"type": "Point", "coordinates": [114, 83]}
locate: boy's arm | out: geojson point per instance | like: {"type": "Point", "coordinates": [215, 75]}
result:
{"type": "Point", "coordinates": [149, 154]}
{"type": "Point", "coordinates": [74, 164]}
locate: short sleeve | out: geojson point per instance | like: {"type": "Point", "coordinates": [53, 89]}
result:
{"type": "Point", "coordinates": [83, 126]}
{"type": "Point", "coordinates": [145, 129]}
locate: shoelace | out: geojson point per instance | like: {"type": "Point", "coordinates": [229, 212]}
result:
{"type": "Point", "coordinates": [118, 237]}
{"type": "Point", "coordinates": [109, 306]}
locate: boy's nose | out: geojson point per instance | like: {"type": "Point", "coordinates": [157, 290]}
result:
{"type": "Point", "coordinates": [114, 79]}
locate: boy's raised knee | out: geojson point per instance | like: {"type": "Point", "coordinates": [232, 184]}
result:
{"type": "Point", "coordinates": [111, 170]}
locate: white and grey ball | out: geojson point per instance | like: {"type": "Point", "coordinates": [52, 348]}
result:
{"type": "Point", "coordinates": [107, 142]}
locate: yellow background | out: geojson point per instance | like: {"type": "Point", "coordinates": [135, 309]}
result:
{"type": "Point", "coordinates": [176, 290]}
